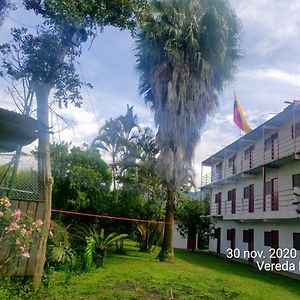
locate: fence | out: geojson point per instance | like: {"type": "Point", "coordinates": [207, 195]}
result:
{"type": "Point", "coordinates": [19, 180]}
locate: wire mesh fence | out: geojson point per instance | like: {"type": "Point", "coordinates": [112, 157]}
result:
{"type": "Point", "coordinates": [19, 179]}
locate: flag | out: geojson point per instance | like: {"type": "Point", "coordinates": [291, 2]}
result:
{"type": "Point", "coordinates": [239, 117]}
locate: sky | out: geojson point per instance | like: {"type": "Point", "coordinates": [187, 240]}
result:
{"type": "Point", "coordinates": [268, 75]}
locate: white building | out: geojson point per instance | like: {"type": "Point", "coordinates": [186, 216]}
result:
{"type": "Point", "coordinates": [254, 185]}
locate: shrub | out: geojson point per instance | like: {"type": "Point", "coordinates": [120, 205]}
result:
{"type": "Point", "coordinates": [16, 233]}
{"type": "Point", "coordinates": [96, 244]}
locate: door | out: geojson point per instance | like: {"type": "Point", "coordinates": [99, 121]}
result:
{"type": "Point", "coordinates": [250, 243]}
{"type": "Point", "coordinates": [274, 147]}
{"type": "Point", "coordinates": [232, 241]}
{"type": "Point", "coordinates": [218, 237]}
{"type": "Point", "coordinates": [251, 198]}
{"type": "Point", "coordinates": [274, 194]}
{"type": "Point", "coordinates": [275, 244]}
{"type": "Point", "coordinates": [219, 202]}
{"type": "Point", "coordinates": [233, 201]}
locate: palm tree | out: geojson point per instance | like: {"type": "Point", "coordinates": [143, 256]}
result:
{"type": "Point", "coordinates": [186, 51]}
{"type": "Point", "coordinates": [116, 137]}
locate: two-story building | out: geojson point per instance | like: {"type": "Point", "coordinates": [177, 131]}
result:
{"type": "Point", "coordinates": [254, 185]}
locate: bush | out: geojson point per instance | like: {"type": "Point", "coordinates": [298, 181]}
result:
{"type": "Point", "coordinates": [16, 233]}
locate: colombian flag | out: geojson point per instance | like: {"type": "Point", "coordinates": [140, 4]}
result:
{"type": "Point", "coordinates": [239, 117]}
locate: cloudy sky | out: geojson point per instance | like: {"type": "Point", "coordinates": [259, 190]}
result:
{"type": "Point", "coordinates": [268, 75]}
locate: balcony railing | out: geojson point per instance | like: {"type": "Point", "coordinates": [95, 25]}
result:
{"type": "Point", "coordinates": [287, 207]}
{"type": "Point", "coordinates": [282, 148]}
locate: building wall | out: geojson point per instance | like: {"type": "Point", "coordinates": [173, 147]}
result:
{"type": "Point", "coordinates": [285, 193]}
{"type": "Point", "coordinates": [179, 242]}
{"type": "Point", "coordinates": [285, 146]}
{"type": "Point", "coordinates": [286, 230]}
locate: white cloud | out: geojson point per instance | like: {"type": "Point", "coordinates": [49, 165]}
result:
{"type": "Point", "coordinates": [278, 75]}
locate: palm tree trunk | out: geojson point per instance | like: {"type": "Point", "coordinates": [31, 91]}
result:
{"type": "Point", "coordinates": [167, 251]}
{"type": "Point", "coordinates": [45, 178]}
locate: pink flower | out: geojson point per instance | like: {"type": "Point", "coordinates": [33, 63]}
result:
{"type": "Point", "coordinates": [38, 223]}
{"type": "Point", "coordinates": [16, 215]}
{"type": "Point", "coordinates": [26, 254]}
{"type": "Point", "coordinates": [18, 242]}
{"type": "Point", "coordinates": [13, 226]}
{"type": "Point", "coordinates": [25, 232]}
{"type": "Point", "coordinates": [5, 202]}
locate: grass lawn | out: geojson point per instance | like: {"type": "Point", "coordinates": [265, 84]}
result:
{"type": "Point", "coordinates": [197, 275]}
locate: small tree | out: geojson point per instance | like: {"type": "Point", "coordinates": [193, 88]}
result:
{"type": "Point", "coordinates": [81, 179]}
{"type": "Point", "coordinates": [192, 217]}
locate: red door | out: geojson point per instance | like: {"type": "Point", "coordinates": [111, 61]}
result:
{"type": "Point", "coordinates": [233, 201]}
{"type": "Point", "coordinates": [219, 203]}
{"type": "Point", "coordinates": [251, 198]}
{"type": "Point", "coordinates": [250, 242]}
{"type": "Point", "coordinates": [274, 194]}
{"type": "Point", "coordinates": [218, 236]}
{"type": "Point", "coordinates": [232, 241]}
{"type": "Point", "coordinates": [275, 243]}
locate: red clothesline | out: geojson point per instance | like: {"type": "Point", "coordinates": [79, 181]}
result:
{"type": "Point", "coordinates": [108, 217]}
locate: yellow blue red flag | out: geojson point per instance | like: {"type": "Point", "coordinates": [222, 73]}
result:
{"type": "Point", "coordinates": [239, 117]}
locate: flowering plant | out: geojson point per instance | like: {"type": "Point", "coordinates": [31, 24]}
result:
{"type": "Point", "coordinates": [16, 233]}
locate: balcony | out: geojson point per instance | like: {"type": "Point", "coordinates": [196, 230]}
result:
{"type": "Point", "coordinates": [280, 152]}
{"type": "Point", "coordinates": [282, 205]}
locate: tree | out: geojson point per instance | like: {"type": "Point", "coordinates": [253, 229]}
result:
{"type": "Point", "coordinates": [81, 179]}
{"type": "Point", "coordinates": [186, 51]}
{"type": "Point", "coordinates": [192, 217]}
{"type": "Point", "coordinates": [4, 6]}
{"type": "Point", "coordinates": [116, 137]}
{"type": "Point", "coordinates": [69, 23]}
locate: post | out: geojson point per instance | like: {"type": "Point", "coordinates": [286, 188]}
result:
{"type": "Point", "coordinates": [45, 177]}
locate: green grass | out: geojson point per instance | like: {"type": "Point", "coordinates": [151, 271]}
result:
{"type": "Point", "coordinates": [197, 275]}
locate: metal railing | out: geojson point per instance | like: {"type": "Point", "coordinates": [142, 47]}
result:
{"type": "Point", "coordinates": [282, 148]}
{"type": "Point", "coordinates": [287, 206]}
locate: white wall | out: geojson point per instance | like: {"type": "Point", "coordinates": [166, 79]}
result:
{"type": "Point", "coordinates": [179, 242]}
{"type": "Point", "coordinates": [286, 230]}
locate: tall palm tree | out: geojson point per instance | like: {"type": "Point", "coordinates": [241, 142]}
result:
{"type": "Point", "coordinates": [116, 138]}
{"type": "Point", "coordinates": [109, 140]}
{"type": "Point", "coordinates": [186, 51]}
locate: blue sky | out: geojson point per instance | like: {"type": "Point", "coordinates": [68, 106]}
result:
{"type": "Point", "coordinates": [268, 75]}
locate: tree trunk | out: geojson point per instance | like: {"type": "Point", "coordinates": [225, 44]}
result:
{"type": "Point", "coordinates": [45, 178]}
{"type": "Point", "coordinates": [167, 251]}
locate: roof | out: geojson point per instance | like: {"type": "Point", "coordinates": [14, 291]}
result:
{"type": "Point", "coordinates": [251, 137]}
{"type": "Point", "coordinates": [17, 130]}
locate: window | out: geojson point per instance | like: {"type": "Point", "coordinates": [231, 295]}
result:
{"type": "Point", "coordinates": [246, 192]}
{"type": "Point", "coordinates": [296, 131]}
{"type": "Point", "coordinates": [296, 180]}
{"type": "Point", "coordinates": [229, 236]}
{"type": "Point", "coordinates": [232, 163]}
{"type": "Point", "coordinates": [216, 198]}
{"type": "Point", "coordinates": [268, 144]}
{"type": "Point", "coordinates": [268, 187]}
{"type": "Point", "coordinates": [219, 167]}
{"type": "Point", "coordinates": [296, 241]}
{"type": "Point", "coordinates": [229, 195]}
{"type": "Point", "coordinates": [245, 236]}
{"type": "Point", "coordinates": [218, 201]}
{"type": "Point", "coordinates": [267, 238]}
{"type": "Point", "coordinates": [248, 152]}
